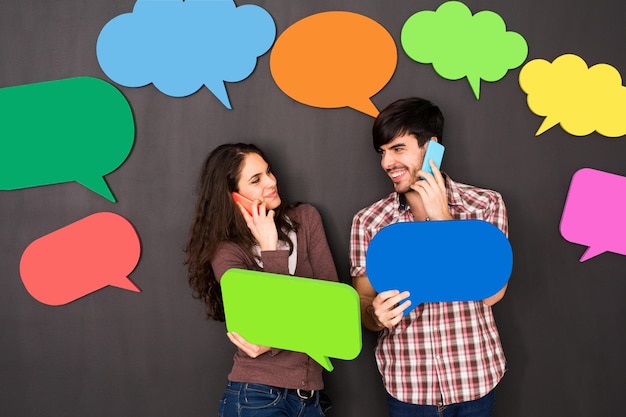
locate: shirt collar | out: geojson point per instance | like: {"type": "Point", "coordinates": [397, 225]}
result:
{"type": "Point", "coordinates": [402, 203]}
{"type": "Point", "coordinates": [454, 194]}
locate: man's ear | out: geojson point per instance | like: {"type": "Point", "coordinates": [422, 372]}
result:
{"type": "Point", "coordinates": [435, 138]}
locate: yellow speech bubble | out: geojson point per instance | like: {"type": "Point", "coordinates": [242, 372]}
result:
{"type": "Point", "coordinates": [582, 99]}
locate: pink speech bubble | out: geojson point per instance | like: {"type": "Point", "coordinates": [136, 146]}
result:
{"type": "Point", "coordinates": [83, 257]}
{"type": "Point", "coordinates": [591, 217]}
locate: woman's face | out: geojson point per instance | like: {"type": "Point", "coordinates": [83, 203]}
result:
{"type": "Point", "coordinates": [257, 182]}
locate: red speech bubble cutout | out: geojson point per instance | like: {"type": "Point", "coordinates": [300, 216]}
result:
{"type": "Point", "coordinates": [334, 59]}
{"type": "Point", "coordinates": [83, 257]}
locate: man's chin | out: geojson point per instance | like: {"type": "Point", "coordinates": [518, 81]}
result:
{"type": "Point", "coordinates": [399, 188]}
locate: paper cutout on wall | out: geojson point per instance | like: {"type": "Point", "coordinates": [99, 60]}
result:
{"type": "Point", "coordinates": [334, 59]}
{"type": "Point", "coordinates": [460, 45]}
{"type": "Point", "coordinates": [592, 215]}
{"type": "Point", "coordinates": [319, 318]}
{"type": "Point", "coordinates": [179, 46]}
{"type": "Point", "coordinates": [454, 260]}
{"type": "Point", "coordinates": [75, 129]}
{"type": "Point", "coordinates": [580, 98]}
{"type": "Point", "coordinates": [85, 256]}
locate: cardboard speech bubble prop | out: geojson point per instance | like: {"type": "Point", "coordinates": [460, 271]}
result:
{"type": "Point", "coordinates": [437, 261]}
{"type": "Point", "coordinates": [179, 46]}
{"type": "Point", "coordinates": [76, 129]}
{"type": "Point", "coordinates": [99, 250]}
{"type": "Point", "coordinates": [459, 44]}
{"type": "Point", "coordinates": [580, 98]}
{"type": "Point", "coordinates": [597, 192]}
{"type": "Point", "coordinates": [334, 59]}
{"type": "Point", "coordinates": [317, 317]}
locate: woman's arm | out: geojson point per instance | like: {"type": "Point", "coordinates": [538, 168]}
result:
{"type": "Point", "coordinates": [320, 255]}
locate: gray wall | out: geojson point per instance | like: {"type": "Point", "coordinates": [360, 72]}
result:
{"type": "Point", "coordinates": [153, 353]}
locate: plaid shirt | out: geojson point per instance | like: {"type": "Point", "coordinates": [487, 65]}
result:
{"type": "Point", "coordinates": [440, 353]}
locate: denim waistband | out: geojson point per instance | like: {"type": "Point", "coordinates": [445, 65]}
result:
{"type": "Point", "coordinates": [303, 395]}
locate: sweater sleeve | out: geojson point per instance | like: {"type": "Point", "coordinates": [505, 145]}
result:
{"type": "Point", "coordinates": [230, 255]}
{"type": "Point", "coordinates": [227, 256]}
{"type": "Point", "coordinates": [276, 261]}
{"type": "Point", "coordinates": [319, 252]}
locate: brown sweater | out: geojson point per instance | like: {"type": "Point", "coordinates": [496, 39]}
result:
{"type": "Point", "coordinates": [283, 368]}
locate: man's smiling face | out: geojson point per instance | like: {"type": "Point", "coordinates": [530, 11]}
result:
{"type": "Point", "coordinates": [402, 159]}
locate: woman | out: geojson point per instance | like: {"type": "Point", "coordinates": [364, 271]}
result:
{"type": "Point", "coordinates": [274, 238]}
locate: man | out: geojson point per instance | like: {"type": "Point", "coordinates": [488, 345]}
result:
{"type": "Point", "coordinates": [442, 359]}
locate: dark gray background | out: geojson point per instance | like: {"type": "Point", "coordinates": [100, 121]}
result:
{"type": "Point", "coordinates": [153, 353]}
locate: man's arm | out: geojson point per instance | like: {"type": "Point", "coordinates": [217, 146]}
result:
{"type": "Point", "coordinates": [498, 217]}
{"type": "Point", "coordinates": [489, 301]}
{"type": "Point", "coordinates": [367, 294]}
{"type": "Point", "coordinates": [379, 310]}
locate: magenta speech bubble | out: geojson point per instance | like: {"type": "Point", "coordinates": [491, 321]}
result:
{"type": "Point", "coordinates": [590, 216]}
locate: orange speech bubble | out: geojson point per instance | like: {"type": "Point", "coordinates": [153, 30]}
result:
{"type": "Point", "coordinates": [78, 259]}
{"type": "Point", "coordinates": [334, 59]}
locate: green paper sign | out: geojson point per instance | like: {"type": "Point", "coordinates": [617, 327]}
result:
{"type": "Point", "coordinates": [319, 318]}
{"type": "Point", "coordinates": [459, 44]}
{"type": "Point", "coordinates": [75, 129]}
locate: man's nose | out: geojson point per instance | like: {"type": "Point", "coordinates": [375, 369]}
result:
{"type": "Point", "coordinates": [386, 161]}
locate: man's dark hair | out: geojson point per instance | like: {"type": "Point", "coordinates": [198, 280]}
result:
{"type": "Point", "coordinates": [414, 116]}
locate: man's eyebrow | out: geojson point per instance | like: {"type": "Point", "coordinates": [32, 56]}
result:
{"type": "Point", "coordinates": [398, 145]}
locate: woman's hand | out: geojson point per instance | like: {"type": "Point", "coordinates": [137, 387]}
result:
{"type": "Point", "coordinates": [261, 224]}
{"type": "Point", "coordinates": [248, 348]}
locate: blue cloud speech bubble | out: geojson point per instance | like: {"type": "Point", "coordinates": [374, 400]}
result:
{"type": "Point", "coordinates": [319, 318]}
{"type": "Point", "coordinates": [455, 260]}
{"type": "Point", "coordinates": [179, 46]}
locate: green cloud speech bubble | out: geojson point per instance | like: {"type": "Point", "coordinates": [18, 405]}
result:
{"type": "Point", "coordinates": [459, 45]}
{"type": "Point", "coordinates": [319, 318]}
{"type": "Point", "coordinates": [76, 129]}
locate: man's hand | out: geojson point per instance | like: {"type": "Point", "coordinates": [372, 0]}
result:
{"type": "Point", "coordinates": [388, 307]}
{"type": "Point", "coordinates": [432, 190]}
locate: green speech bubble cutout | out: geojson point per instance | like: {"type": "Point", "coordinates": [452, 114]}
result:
{"type": "Point", "coordinates": [316, 317]}
{"type": "Point", "coordinates": [459, 45]}
{"type": "Point", "coordinates": [75, 129]}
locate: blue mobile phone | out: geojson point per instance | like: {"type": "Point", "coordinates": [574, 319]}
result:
{"type": "Point", "coordinates": [434, 151]}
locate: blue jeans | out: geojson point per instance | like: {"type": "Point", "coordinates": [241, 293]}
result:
{"type": "Point", "coordinates": [243, 399]}
{"type": "Point", "coordinates": [482, 407]}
